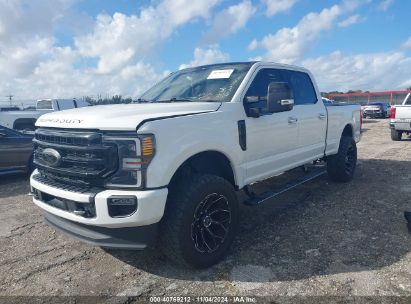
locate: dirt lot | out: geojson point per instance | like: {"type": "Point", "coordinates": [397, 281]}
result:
{"type": "Point", "coordinates": [321, 239]}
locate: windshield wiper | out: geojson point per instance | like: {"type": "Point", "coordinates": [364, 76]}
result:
{"type": "Point", "coordinates": [142, 100]}
{"type": "Point", "coordinates": [209, 100]}
{"type": "Point", "coordinates": [174, 99]}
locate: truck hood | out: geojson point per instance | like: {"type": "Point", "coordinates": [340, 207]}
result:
{"type": "Point", "coordinates": [123, 117]}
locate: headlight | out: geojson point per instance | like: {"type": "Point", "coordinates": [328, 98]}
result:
{"type": "Point", "coordinates": [134, 156]}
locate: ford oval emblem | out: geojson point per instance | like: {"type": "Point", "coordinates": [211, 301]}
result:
{"type": "Point", "coordinates": [51, 157]}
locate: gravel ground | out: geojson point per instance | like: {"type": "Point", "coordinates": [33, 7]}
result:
{"type": "Point", "coordinates": [320, 239]}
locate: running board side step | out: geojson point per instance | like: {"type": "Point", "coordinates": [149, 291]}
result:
{"type": "Point", "coordinates": [256, 199]}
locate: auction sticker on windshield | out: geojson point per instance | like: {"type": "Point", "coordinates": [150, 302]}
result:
{"type": "Point", "coordinates": [220, 74]}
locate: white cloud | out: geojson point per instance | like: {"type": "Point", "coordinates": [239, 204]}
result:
{"type": "Point", "coordinates": [21, 19]}
{"type": "Point", "coordinates": [57, 77]}
{"type": "Point", "coordinates": [349, 21]}
{"type": "Point", "coordinates": [407, 44]}
{"type": "Point", "coordinates": [373, 71]}
{"type": "Point", "coordinates": [288, 44]}
{"type": "Point", "coordinates": [117, 40]}
{"type": "Point", "coordinates": [32, 66]}
{"type": "Point", "coordinates": [253, 45]}
{"type": "Point", "coordinates": [277, 6]}
{"type": "Point", "coordinates": [209, 55]}
{"type": "Point", "coordinates": [229, 21]}
{"type": "Point", "coordinates": [26, 38]}
{"type": "Point", "coordinates": [385, 5]}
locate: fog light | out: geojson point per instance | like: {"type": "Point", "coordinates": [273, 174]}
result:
{"type": "Point", "coordinates": [121, 206]}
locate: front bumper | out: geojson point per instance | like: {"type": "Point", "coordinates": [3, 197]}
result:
{"type": "Point", "coordinates": [373, 114]}
{"type": "Point", "coordinates": [135, 238]}
{"type": "Point", "coordinates": [150, 205]}
{"type": "Point", "coordinates": [401, 124]}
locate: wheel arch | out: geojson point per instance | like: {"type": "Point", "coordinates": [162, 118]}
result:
{"type": "Point", "coordinates": [208, 162]}
{"type": "Point", "coordinates": [24, 121]}
{"type": "Point", "coordinates": [348, 131]}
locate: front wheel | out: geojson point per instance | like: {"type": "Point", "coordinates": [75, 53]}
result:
{"type": "Point", "coordinates": [341, 166]}
{"type": "Point", "coordinates": [396, 135]}
{"type": "Point", "coordinates": [200, 222]}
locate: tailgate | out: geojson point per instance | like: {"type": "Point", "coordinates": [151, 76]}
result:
{"type": "Point", "coordinates": [403, 113]}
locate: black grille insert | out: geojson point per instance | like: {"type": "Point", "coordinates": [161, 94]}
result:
{"type": "Point", "coordinates": [87, 210]}
{"type": "Point", "coordinates": [83, 159]}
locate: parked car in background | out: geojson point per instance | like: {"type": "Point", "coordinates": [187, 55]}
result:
{"type": "Point", "coordinates": [25, 120]}
{"type": "Point", "coordinates": [376, 110]}
{"type": "Point", "coordinates": [400, 119]}
{"type": "Point", "coordinates": [16, 151]}
{"type": "Point", "coordinates": [327, 101]}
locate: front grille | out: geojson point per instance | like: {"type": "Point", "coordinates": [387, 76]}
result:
{"type": "Point", "coordinates": [87, 210]}
{"type": "Point", "coordinates": [63, 184]}
{"type": "Point", "coordinates": [74, 158]}
{"type": "Point", "coordinates": [68, 138]}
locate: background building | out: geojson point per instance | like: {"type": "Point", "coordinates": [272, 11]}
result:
{"type": "Point", "coordinates": [363, 98]}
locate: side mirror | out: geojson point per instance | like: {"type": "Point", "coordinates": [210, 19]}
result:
{"type": "Point", "coordinates": [253, 106]}
{"type": "Point", "coordinates": [279, 97]}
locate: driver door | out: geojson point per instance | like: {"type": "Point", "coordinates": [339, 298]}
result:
{"type": "Point", "coordinates": [15, 150]}
{"type": "Point", "coordinates": [272, 137]}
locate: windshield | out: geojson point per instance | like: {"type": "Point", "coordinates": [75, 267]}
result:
{"type": "Point", "coordinates": [206, 83]}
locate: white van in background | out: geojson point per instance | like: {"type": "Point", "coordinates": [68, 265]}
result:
{"type": "Point", "coordinates": [25, 120]}
{"type": "Point", "coordinates": [51, 105]}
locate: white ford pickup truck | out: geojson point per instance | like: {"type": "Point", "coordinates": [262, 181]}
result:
{"type": "Point", "coordinates": [400, 119]}
{"type": "Point", "coordinates": [169, 167]}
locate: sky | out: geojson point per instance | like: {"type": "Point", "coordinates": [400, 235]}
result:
{"type": "Point", "coordinates": [76, 48]}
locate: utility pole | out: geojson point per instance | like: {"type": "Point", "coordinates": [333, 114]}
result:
{"type": "Point", "coordinates": [10, 97]}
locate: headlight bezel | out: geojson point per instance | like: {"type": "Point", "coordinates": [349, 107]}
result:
{"type": "Point", "coordinates": [130, 165]}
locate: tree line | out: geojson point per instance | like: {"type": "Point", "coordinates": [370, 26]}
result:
{"type": "Point", "coordinates": [116, 99]}
{"type": "Point", "coordinates": [325, 94]}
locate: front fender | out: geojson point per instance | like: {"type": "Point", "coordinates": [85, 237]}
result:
{"type": "Point", "coordinates": [178, 139]}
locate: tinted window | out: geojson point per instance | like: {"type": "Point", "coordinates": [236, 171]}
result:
{"type": "Point", "coordinates": [302, 87]}
{"type": "Point", "coordinates": [65, 104]}
{"type": "Point", "coordinates": [259, 86]}
{"type": "Point", "coordinates": [300, 84]}
{"type": "Point", "coordinates": [44, 105]}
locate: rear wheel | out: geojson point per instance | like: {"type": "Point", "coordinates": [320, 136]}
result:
{"type": "Point", "coordinates": [341, 166]}
{"type": "Point", "coordinates": [200, 222]}
{"type": "Point", "coordinates": [396, 135]}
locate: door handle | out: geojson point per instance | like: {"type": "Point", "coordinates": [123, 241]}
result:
{"type": "Point", "coordinates": [322, 116]}
{"type": "Point", "coordinates": [292, 120]}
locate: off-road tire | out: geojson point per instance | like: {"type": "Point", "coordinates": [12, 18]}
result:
{"type": "Point", "coordinates": [396, 135]}
{"type": "Point", "coordinates": [185, 198]}
{"type": "Point", "coordinates": [341, 166]}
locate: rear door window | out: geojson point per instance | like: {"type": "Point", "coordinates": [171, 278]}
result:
{"type": "Point", "coordinates": [302, 86]}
